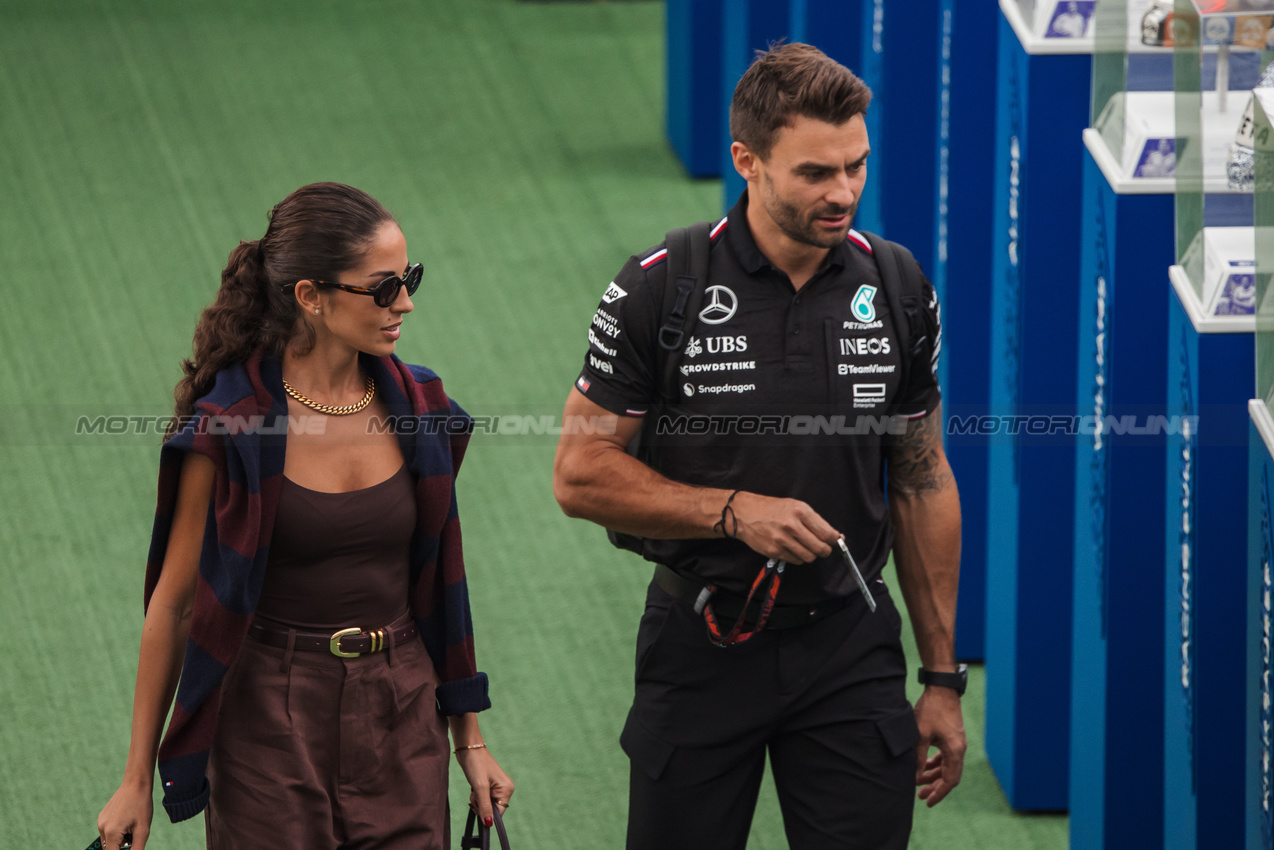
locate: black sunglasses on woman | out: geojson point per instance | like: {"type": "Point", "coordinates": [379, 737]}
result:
{"type": "Point", "coordinates": [384, 291]}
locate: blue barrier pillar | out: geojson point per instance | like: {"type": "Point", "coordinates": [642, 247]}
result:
{"type": "Point", "coordinates": [833, 26]}
{"type": "Point", "coordinates": [1211, 372]}
{"type": "Point", "coordinates": [748, 26]}
{"type": "Point", "coordinates": [1116, 788]}
{"type": "Point", "coordinates": [1258, 727]}
{"type": "Point", "coordinates": [907, 85]}
{"type": "Point", "coordinates": [693, 84]}
{"type": "Point", "coordinates": [1042, 109]}
{"type": "Point", "coordinates": [961, 274]}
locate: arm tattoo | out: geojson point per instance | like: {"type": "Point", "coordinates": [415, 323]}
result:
{"type": "Point", "coordinates": [916, 464]}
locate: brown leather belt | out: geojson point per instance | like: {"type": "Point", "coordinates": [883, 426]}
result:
{"type": "Point", "coordinates": [345, 643]}
{"type": "Point", "coordinates": [729, 607]}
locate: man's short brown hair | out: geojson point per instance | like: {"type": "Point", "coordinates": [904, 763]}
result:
{"type": "Point", "coordinates": [789, 80]}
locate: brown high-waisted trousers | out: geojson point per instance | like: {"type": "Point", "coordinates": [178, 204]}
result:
{"type": "Point", "coordinates": [322, 752]}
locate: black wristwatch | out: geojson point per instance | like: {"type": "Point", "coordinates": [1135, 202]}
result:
{"type": "Point", "coordinates": [957, 681]}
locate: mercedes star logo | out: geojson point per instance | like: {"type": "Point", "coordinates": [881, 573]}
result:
{"type": "Point", "coordinates": [721, 306]}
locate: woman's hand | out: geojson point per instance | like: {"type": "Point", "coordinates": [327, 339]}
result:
{"type": "Point", "coordinates": [164, 636]}
{"type": "Point", "coordinates": [487, 781]}
{"type": "Point", "coordinates": [128, 813]}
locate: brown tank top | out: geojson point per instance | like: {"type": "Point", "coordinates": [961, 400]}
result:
{"type": "Point", "coordinates": [339, 560]}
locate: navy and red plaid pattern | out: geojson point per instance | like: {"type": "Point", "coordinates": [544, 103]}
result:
{"type": "Point", "coordinates": [249, 464]}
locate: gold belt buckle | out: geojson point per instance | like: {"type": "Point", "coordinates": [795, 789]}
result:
{"type": "Point", "coordinates": [335, 643]}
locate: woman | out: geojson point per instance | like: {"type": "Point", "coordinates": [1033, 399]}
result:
{"type": "Point", "coordinates": [305, 579]}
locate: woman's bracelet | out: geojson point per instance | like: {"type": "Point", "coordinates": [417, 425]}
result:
{"type": "Point", "coordinates": [470, 747]}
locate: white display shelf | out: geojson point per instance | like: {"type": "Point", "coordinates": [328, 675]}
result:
{"type": "Point", "coordinates": [1202, 322]}
{"type": "Point", "coordinates": [1035, 36]}
{"type": "Point", "coordinates": [1263, 421]}
{"type": "Point", "coordinates": [1116, 174]}
{"type": "Point", "coordinates": [1145, 164]}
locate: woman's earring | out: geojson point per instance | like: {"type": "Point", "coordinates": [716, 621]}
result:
{"type": "Point", "coordinates": [316, 310]}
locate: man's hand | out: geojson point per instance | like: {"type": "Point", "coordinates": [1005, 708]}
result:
{"type": "Point", "coordinates": [594, 478]}
{"type": "Point", "coordinates": [942, 726]}
{"type": "Point", "coordinates": [787, 529]}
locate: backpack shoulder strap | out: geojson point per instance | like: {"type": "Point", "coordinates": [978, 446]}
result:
{"type": "Point", "coordinates": [688, 253]}
{"type": "Point", "coordinates": [900, 278]}
{"type": "Point", "coordinates": [688, 250]}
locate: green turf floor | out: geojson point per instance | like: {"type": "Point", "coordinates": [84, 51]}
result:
{"type": "Point", "coordinates": [520, 147]}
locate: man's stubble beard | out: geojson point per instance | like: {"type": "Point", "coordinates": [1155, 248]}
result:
{"type": "Point", "coordinates": [789, 218]}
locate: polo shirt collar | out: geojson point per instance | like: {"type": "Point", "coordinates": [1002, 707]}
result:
{"type": "Point", "coordinates": [749, 255]}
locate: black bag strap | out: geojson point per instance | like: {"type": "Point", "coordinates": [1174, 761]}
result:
{"type": "Point", "coordinates": [900, 277]}
{"type": "Point", "coordinates": [481, 839]}
{"type": "Point", "coordinates": [689, 249]}
{"type": "Point", "coordinates": [688, 253]}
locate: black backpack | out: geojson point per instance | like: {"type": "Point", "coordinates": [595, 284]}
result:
{"type": "Point", "coordinates": [688, 254]}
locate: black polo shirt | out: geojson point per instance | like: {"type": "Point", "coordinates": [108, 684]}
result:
{"type": "Point", "coordinates": [782, 393]}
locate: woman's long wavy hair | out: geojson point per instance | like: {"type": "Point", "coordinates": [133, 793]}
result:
{"type": "Point", "coordinates": [317, 232]}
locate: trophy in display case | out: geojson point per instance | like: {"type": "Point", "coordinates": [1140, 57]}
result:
{"type": "Point", "coordinates": [1133, 137]}
{"type": "Point", "coordinates": [1216, 132]}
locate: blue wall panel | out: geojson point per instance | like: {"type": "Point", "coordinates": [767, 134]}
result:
{"type": "Point", "coordinates": [749, 26]}
{"type": "Point", "coordinates": [1258, 727]}
{"type": "Point", "coordinates": [1117, 706]}
{"type": "Point", "coordinates": [693, 84]}
{"type": "Point", "coordinates": [1210, 377]}
{"type": "Point", "coordinates": [961, 274]}
{"type": "Point", "coordinates": [1041, 110]}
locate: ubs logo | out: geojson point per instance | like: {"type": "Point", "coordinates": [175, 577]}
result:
{"type": "Point", "coordinates": [726, 344]}
{"type": "Point", "coordinates": [722, 305]}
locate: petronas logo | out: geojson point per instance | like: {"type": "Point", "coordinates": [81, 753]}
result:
{"type": "Point", "coordinates": [862, 307]}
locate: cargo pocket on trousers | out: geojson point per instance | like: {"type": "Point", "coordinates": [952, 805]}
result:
{"type": "Point", "coordinates": [648, 631]}
{"type": "Point", "coordinates": [899, 731]}
{"type": "Point", "coordinates": [648, 753]}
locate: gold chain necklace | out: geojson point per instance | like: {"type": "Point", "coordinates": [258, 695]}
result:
{"type": "Point", "coordinates": [331, 410]}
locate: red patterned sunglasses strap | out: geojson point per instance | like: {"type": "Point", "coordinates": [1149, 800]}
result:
{"type": "Point", "coordinates": [773, 572]}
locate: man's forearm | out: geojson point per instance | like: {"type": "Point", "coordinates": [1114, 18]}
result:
{"type": "Point", "coordinates": [927, 557]}
{"type": "Point", "coordinates": [608, 486]}
{"type": "Point", "coordinates": [595, 478]}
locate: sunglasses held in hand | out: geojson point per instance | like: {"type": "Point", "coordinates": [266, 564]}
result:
{"type": "Point", "coordinates": [97, 843]}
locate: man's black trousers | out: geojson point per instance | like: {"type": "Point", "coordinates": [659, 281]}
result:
{"type": "Point", "coordinates": [826, 701]}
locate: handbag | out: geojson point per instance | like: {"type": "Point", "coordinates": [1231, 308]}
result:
{"type": "Point", "coordinates": [97, 843]}
{"type": "Point", "coordinates": [481, 840]}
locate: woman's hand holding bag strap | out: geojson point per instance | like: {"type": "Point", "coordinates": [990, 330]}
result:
{"type": "Point", "coordinates": [482, 839]}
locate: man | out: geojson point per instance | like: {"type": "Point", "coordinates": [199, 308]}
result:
{"type": "Point", "coordinates": [793, 327]}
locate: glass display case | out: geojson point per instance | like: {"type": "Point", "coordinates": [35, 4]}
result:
{"type": "Point", "coordinates": [1258, 794]}
{"type": "Point", "coordinates": [1133, 136]}
{"type": "Point", "coordinates": [1211, 376]}
{"type": "Point", "coordinates": [1263, 239]}
{"type": "Point", "coordinates": [1220, 53]}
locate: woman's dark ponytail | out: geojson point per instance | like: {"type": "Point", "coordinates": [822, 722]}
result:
{"type": "Point", "coordinates": [315, 233]}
